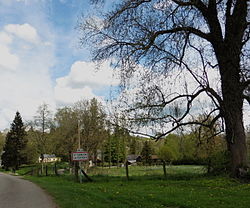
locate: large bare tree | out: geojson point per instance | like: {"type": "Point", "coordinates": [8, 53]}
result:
{"type": "Point", "coordinates": [194, 36]}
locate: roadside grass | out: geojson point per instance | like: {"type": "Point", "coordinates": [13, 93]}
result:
{"type": "Point", "coordinates": [147, 170]}
{"type": "Point", "coordinates": [184, 187]}
{"type": "Point", "coordinates": [35, 168]}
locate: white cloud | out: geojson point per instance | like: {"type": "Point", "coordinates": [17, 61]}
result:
{"type": "Point", "coordinates": [67, 95]}
{"type": "Point", "coordinates": [25, 81]}
{"type": "Point", "coordinates": [8, 60]}
{"type": "Point", "coordinates": [86, 74]}
{"type": "Point", "coordinates": [5, 39]}
{"type": "Point", "coordinates": [24, 31]}
{"type": "Point", "coordinates": [82, 80]}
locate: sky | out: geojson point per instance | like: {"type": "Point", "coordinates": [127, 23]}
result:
{"type": "Point", "coordinates": [41, 60]}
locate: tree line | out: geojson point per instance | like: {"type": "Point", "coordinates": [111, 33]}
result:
{"type": "Point", "coordinates": [86, 124]}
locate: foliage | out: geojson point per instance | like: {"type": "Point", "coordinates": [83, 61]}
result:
{"type": "Point", "coordinates": [134, 145]}
{"type": "Point", "coordinates": [2, 141]}
{"type": "Point", "coordinates": [40, 128]}
{"type": "Point", "coordinates": [92, 121]}
{"type": "Point", "coordinates": [60, 135]}
{"type": "Point", "coordinates": [179, 149]}
{"type": "Point", "coordinates": [31, 149]}
{"type": "Point", "coordinates": [218, 162]}
{"type": "Point", "coordinates": [115, 146]}
{"type": "Point", "coordinates": [147, 152]}
{"type": "Point", "coordinates": [158, 43]}
{"type": "Point", "coordinates": [169, 151]}
{"type": "Point", "coordinates": [210, 148]}
{"type": "Point", "coordinates": [64, 138]}
{"type": "Point", "coordinates": [15, 143]}
{"type": "Point", "coordinates": [113, 152]}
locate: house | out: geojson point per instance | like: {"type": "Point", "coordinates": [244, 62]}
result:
{"type": "Point", "coordinates": [155, 159]}
{"type": "Point", "coordinates": [133, 159]}
{"type": "Point", "coordinates": [49, 158]}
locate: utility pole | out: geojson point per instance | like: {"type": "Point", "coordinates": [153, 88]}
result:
{"type": "Point", "coordinates": [79, 135]}
{"type": "Point", "coordinates": [79, 149]}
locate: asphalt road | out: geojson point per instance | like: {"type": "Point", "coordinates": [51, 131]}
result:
{"type": "Point", "coordinates": [19, 193]}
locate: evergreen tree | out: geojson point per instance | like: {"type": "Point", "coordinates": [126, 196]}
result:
{"type": "Point", "coordinates": [114, 151]}
{"type": "Point", "coordinates": [14, 145]}
{"type": "Point", "coordinates": [147, 152]}
{"type": "Point", "coordinates": [2, 141]}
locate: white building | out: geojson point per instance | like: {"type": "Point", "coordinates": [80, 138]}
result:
{"type": "Point", "coordinates": [49, 158]}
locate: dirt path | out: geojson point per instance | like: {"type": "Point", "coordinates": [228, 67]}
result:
{"type": "Point", "coordinates": [19, 193]}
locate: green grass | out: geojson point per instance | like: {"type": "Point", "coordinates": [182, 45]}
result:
{"type": "Point", "coordinates": [184, 187]}
{"type": "Point", "coordinates": [27, 169]}
{"type": "Point", "coordinates": [148, 170]}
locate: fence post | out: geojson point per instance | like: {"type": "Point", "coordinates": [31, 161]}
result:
{"type": "Point", "coordinates": [56, 169]}
{"type": "Point", "coordinates": [38, 171]}
{"type": "Point", "coordinates": [32, 171]}
{"type": "Point", "coordinates": [164, 168]}
{"type": "Point", "coordinates": [127, 173]}
{"type": "Point", "coordinates": [46, 170]}
{"type": "Point", "coordinates": [76, 170]}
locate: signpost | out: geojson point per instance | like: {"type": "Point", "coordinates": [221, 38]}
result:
{"type": "Point", "coordinates": [80, 156]}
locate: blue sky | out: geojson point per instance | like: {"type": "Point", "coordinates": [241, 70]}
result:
{"type": "Point", "coordinates": [41, 60]}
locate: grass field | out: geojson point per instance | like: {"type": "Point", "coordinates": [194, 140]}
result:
{"type": "Point", "coordinates": [184, 187]}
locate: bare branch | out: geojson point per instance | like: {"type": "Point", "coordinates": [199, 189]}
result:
{"type": "Point", "coordinates": [127, 6]}
{"type": "Point", "coordinates": [186, 124]}
{"type": "Point", "coordinates": [246, 84]}
{"type": "Point", "coordinates": [197, 3]}
{"type": "Point", "coordinates": [176, 30]}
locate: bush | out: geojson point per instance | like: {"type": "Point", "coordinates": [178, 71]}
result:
{"type": "Point", "coordinates": [218, 162]}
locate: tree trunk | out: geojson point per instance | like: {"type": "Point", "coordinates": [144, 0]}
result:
{"type": "Point", "coordinates": [232, 110]}
{"type": "Point", "coordinates": [236, 141]}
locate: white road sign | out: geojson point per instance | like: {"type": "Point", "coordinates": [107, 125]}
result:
{"type": "Point", "coordinates": [80, 156]}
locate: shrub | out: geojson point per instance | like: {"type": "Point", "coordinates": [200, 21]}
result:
{"type": "Point", "coordinates": [218, 162]}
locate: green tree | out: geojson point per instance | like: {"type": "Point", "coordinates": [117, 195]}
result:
{"type": "Point", "coordinates": [31, 148]}
{"type": "Point", "coordinates": [135, 145]}
{"type": "Point", "coordinates": [170, 150]}
{"type": "Point", "coordinates": [168, 153]}
{"type": "Point", "coordinates": [65, 137]}
{"type": "Point", "coordinates": [2, 141]}
{"type": "Point", "coordinates": [147, 152]}
{"type": "Point", "coordinates": [194, 37]}
{"type": "Point", "coordinates": [112, 151]}
{"type": "Point", "coordinates": [15, 143]}
{"type": "Point", "coordinates": [42, 125]}
{"type": "Point", "coordinates": [116, 145]}
{"type": "Point", "coordinates": [85, 120]}
{"type": "Point", "coordinates": [209, 146]}
{"type": "Point", "coordinates": [92, 124]}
